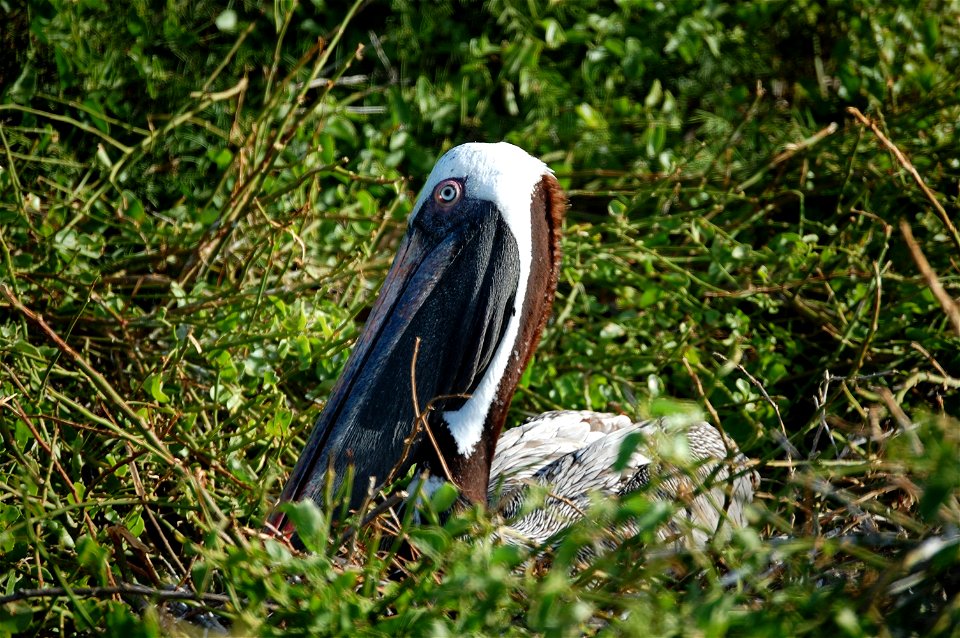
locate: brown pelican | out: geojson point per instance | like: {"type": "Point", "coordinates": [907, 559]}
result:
{"type": "Point", "coordinates": [433, 373]}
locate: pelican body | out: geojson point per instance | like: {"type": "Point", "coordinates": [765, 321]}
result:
{"type": "Point", "coordinates": [456, 322]}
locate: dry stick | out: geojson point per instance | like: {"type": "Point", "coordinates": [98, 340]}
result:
{"type": "Point", "coordinates": [820, 402]}
{"type": "Point", "coordinates": [760, 387]}
{"type": "Point", "coordinates": [119, 535]}
{"type": "Point", "coordinates": [910, 169]}
{"type": "Point", "coordinates": [394, 499]}
{"type": "Point", "coordinates": [906, 425]}
{"type": "Point", "coordinates": [749, 291]}
{"type": "Point", "coordinates": [944, 381]}
{"type": "Point", "coordinates": [696, 379]}
{"type": "Point", "coordinates": [421, 417]}
{"type": "Point", "coordinates": [946, 302]}
{"type": "Point", "coordinates": [142, 494]}
{"type": "Point", "coordinates": [936, 364]}
{"type": "Point", "coordinates": [408, 442]}
{"type": "Point", "coordinates": [127, 589]}
{"type": "Point", "coordinates": [789, 151]}
{"type": "Point", "coordinates": [785, 443]}
{"type": "Point", "coordinates": [419, 421]}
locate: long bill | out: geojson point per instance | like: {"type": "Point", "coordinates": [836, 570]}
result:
{"type": "Point", "coordinates": [455, 293]}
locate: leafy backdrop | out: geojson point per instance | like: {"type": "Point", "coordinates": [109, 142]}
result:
{"type": "Point", "coordinates": [198, 201]}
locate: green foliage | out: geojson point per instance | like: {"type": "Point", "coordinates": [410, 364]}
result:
{"type": "Point", "coordinates": [199, 200]}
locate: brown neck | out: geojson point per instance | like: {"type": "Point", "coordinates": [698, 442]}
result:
{"type": "Point", "coordinates": [472, 473]}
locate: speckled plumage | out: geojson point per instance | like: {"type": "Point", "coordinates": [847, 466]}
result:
{"type": "Point", "coordinates": [573, 455]}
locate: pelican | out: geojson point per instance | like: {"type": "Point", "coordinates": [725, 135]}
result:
{"type": "Point", "coordinates": [432, 375]}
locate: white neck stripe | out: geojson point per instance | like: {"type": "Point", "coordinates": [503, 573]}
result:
{"type": "Point", "coordinates": [506, 176]}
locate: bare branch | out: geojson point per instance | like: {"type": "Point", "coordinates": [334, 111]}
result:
{"type": "Point", "coordinates": [897, 153]}
{"type": "Point", "coordinates": [933, 282]}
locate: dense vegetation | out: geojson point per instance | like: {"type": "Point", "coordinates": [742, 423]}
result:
{"type": "Point", "coordinates": [198, 200]}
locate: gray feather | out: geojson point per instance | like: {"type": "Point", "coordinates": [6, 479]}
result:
{"type": "Point", "coordinates": [573, 455]}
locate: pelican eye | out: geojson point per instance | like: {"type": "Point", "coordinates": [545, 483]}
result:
{"type": "Point", "coordinates": [447, 193]}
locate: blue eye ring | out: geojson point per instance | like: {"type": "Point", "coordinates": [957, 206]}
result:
{"type": "Point", "coordinates": [447, 193]}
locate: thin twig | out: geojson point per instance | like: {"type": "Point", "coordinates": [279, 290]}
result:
{"type": "Point", "coordinates": [703, 395]}
{"type": "Point", "coordinates": [820, 402]}
{"type": "Point", "coordinates": [788, 152]}
{"type": "Point", "coordinates": [124, 589]}
{"type": "Point", "coordinates": [142, 493]}
{"type": "Point", "coordinates": [783, 428]}
{"type": "Point", "coordinates": [394, 499]}
{"type": "Point", "coordinates": [408, 442]}
{"type": "Point", "coordinates": [933, 282]}
{"type": "Point", "coordinates": [421, 417]}
{"type": "Point", "coordinates": [904, 421]}
{"type": "Point", "coordinates": [944, 381]}
{"type": "Point", "coordinates": [910, 169]}
{"type": "Point", "coordinates": [420, 421]}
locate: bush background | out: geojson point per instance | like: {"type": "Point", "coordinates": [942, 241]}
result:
{"type": "Point", "coordinates": [198, 201]}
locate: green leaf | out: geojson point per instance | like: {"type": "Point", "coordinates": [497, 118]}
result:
{"type": "Point", "coordinates": [154, 386]}
{"type": "Point", "coordinates": [310, 522]}
{"type": "Point", "coordinates": [444, 497]}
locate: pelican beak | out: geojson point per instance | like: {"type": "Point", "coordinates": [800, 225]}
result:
{"type": "Point", "coordinates": [451, 287]}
